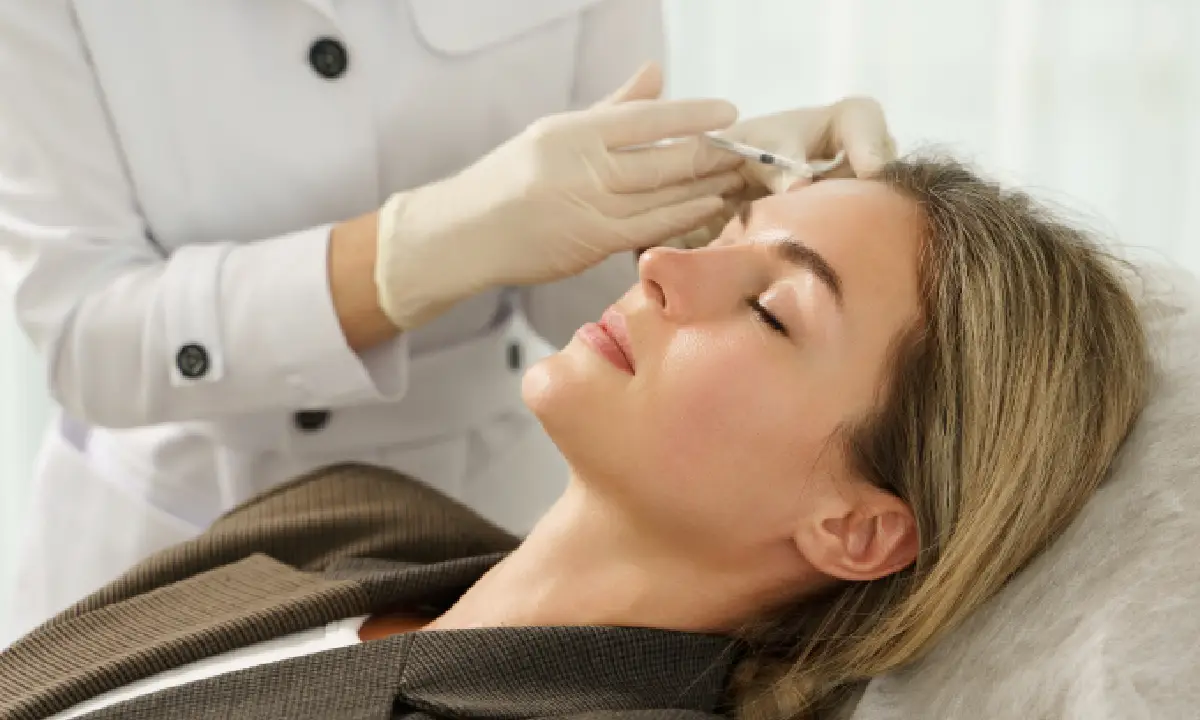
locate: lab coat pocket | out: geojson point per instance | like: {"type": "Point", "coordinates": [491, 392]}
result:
{"type": "Point", "coordinates": [173, 469]}
{"type": "Point", "coordinates": [457, 27]}
{"type": "Point", "coordinates": [487, 70]}
{"type": "Point", "coordinates": [84, 529]}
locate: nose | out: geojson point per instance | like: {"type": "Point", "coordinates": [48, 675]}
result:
{"type": "Point", "coordinates": [688, 285]}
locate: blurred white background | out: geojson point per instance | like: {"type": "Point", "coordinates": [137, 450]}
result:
{"type": "Point", "coordinates": [1094, 104]}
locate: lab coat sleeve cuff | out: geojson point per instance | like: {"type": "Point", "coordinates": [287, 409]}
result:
{"type": "Point", "coordinates": [284, 283]}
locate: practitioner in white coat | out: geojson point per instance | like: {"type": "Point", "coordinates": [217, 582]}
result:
{"type": "Point", "coordinates": [252, 239]}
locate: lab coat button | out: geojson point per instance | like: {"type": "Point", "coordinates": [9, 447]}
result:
{"type": "Point", "coordinates": [515, 356]}
{"type": "Point", "coordinates": [192, 361]}
{"type": "Point", "coordinates": [329, 58]}
{"type": "Point", "coordinates": [311, 420]}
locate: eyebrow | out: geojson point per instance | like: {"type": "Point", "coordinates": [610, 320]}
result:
{"type": "Point", "coordinates": [801, 256]}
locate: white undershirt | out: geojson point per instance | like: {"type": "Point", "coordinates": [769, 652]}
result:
{"type": "Point", "coordinates": [309, 642]}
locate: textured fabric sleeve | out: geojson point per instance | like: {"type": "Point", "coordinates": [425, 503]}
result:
{"type": "Point", "coordinates": [253, 575]}
{"type": "Point", "coordinates": [342, 511]}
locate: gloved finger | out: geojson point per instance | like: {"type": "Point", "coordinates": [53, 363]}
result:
{"type": "Point", "coordinates": [641, 122]}
{"type": "Point", "coordinates": [798, 183]}
{"type": "Point", "coordinates": [645, 84]}
{"type": "Point", "coordinates": [710, 230]}
{"type": "Point", "coordinates": [845, 170]}
{"type": "Point", "coordinates": [735, 203]}
{"type": "Point", "coordinates": [662, 224]}
{"type": "Point", "coordinates": [774, 178]}
{"type": "Point", "coordinates": [697, 238]}
{"type": "Point", "coordinates": [859, 128]}
{"type": "Point", "coordinates": [632, 171]}
{"type": "Point", "coordinates": [625, 206]}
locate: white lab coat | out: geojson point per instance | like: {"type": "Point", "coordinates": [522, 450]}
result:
{"type": "Point", "coordinates": [168, 175]}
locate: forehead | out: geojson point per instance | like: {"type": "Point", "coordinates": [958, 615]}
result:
{"type": "Point", "coordinates": [843, 216]}
{"type": "Point", "coordinates": [870, 234]}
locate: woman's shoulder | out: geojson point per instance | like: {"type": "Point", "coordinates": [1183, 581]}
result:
{"type": "Point", "coordinates": [348, 509]}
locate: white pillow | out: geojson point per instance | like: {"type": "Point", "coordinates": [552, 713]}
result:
{"type": "Point", "coordinates": [1106, 623]}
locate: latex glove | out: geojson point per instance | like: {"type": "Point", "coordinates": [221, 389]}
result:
{"type": "Point", "coordinates": [553, 201]}
{"type": "Point", "coordinates": [854, 125]}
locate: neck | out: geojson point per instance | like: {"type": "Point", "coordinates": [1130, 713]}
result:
{"type": "Point", "coordinates": [586, 563]}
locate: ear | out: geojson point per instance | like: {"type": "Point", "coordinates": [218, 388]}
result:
{"type": "Point", "coordinates": [864, 534]}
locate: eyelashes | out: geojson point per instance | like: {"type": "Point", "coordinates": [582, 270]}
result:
{"type": "Point", "coordinates": [767, 316]}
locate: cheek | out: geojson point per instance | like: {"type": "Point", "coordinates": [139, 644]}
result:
{"type": "Point", "coordinates": [722, 402]}
{"type": "Point", "coordinates": [724, 431]}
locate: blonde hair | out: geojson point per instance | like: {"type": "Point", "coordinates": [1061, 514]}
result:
{"type": "Point", "coordinates": [1006, 405]}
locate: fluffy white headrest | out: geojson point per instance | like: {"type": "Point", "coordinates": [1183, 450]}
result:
{"type": "Point", "coordinates": [1106, 623]}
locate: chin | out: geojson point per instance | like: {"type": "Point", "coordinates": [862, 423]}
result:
{"type": "Point", "coordinates": [572, 381]}
{"type": "Point", "coordinates": [538, 386]}
{"type": "Point", "coordinates": [554, 390]}
{"type": "Point", "coordinates": [573, 400]}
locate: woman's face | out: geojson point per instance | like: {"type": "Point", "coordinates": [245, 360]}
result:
{"type": "Point", "coordinates": [705, 401]}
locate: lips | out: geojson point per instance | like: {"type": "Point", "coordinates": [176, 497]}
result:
{"type": "Point", "coordinates": [613, 323]}
{"type": "Point", "coordinates": [609, 339]}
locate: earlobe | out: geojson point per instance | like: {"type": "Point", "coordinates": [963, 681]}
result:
{"type": "Point", "coordinates": [866, 541]}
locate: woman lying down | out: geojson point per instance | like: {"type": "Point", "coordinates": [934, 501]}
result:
{"type": "Point", "coordinates": [799, 456]}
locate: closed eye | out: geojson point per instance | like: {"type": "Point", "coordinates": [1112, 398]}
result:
{"type": "Point", "coordinates": [767, 316]}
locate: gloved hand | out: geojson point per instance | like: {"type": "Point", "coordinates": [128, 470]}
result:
{"type": "Point", "coordinates": [853, 125]}
{"type": "Point", "coordinates": [558, 198]}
